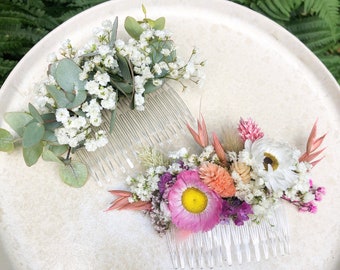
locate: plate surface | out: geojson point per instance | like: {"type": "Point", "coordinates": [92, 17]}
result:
{"type": "Point", "coordinates": [254, 69]}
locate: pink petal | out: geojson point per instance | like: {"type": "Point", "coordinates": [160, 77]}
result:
{"type": "Point", "coordinates": [120, 193]}
{"type": "Point", "coordinates": [219, 149]}
{"type": "Point", "coordinates": [318, 142]}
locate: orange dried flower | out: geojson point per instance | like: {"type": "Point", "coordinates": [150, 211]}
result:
{"type": "Point", "coordinates": [218, 179]}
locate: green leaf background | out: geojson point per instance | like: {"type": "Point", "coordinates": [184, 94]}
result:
{"type": "Point", "coordinates": [315, 22]}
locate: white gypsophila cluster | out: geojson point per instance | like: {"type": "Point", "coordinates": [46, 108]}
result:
{"type": "Point", "coordinates": [76, 130]}
{"type": "Point", "coordinates": [255, 193]}
{"type": "Point", "coordinates": [142, 186]}
{"type": "Point", "coordinates": [41, 98]}
{"type": "Point", "coordinates": [301, 187]}
{"type": "Point", "coordinates": [180, 154]}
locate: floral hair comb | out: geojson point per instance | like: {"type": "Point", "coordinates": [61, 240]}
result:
{"type": "Point", "coordinates": [239, 183]}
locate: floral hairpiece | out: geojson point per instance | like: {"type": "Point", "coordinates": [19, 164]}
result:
{"type": "Point", "coordinates": [243, 179]}
{"type": "Point", "coordinates": [84, 82]}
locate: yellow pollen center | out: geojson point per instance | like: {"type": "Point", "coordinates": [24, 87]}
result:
{"type": "Point", "coordinates": [269, 159]}
{"type": "Point", "coordinates": [194, 200]}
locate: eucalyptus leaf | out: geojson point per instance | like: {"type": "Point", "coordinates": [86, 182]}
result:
{"type": "Point", "coordinates": [35, 114]}
{"type": "Point", "coordinates": [32, 154]}
{"type": "Point", "coordinates": [150, 87]}
{"type": "Point", "coordinates": [133, 27]}
{"type": "Point", "coordinates": [144, 9]}
{"type": "Point", "coordinates": [75, 174]}
{"type": "Point", "coordinates": [49, 136]}
{"type": "Point", "coordinates": [48, 155]}
{"type": "Point", "coordinates": [67, 75]}
{"type": "Point", "coordinates": [159, 24]}
{"type": "Point", "coordinates": [125, 88]}
{"type": "Point", "coordinates": [6, 141]}
{"type": "Point", "coordinates": [58, 150]}
{"type": "Point", "coordinates": [114, 33]}
{"type": "Point", "coordinates": [33, 134]}
{"type": "Point", "coordinates": [78, 100]}
{"type": "Point", "coordinates": [50, 121]}
{"type": "Point", "coordinates": [52, 68]}
{"type": "Point", "coordinates": [17, 121]}
{"type": "Point", "coordinates": [156, 48]}
{"type": "Point", "coordinates": [124, 67]}
{"type": "Point", "coordinates": [58, 95]}
{"type": "Point", "coordinates": [70, 96]}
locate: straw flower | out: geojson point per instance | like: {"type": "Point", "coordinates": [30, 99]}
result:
{"type": "Point", "coordinates": [218, 179]}
{"type": "Point", "coordinates": [243, 171]}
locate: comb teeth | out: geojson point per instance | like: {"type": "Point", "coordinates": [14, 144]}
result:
{"type": "Point", "coordinates": [227, 243]}
{"type": "Point", "coordinates": [160, 125]}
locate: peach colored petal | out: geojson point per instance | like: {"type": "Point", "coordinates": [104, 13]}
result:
{"type": "Point", "coordinates": [218, 179]}
{"type": "Point", "coordinates": [312, 146]}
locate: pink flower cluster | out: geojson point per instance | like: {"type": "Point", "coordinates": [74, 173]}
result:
{"type": "Point", "coordinates": [311, 207]}
{"type": "Point", "coordinates": [249, 130]}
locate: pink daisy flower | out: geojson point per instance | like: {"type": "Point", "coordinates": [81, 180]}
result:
{"type": "Point", "coordinates": [193, 206]}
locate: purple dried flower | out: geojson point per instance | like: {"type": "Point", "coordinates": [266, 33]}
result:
{"type": "Point", "coordinates": [319, 192]}
{"type": "Point", "coordinates": [166, 181]}
{"type": "Point", "coordinates": [235, 209]}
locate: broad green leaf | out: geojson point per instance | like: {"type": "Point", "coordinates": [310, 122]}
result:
{"type": "Point", "coordinates": [125, 88]}
{"type": "Point", "coordinates": [150, 87]}
{"type": "Point", "coordinates": [156, 48]}
{"type": "Point", "coordinates": [67, 75]}
{"type": "Point", "coordinates": [17, 121]}
{"type": "Point", "coordinates": [159, 24]}
{"type": "Point", "coordinates": [58, 95]}
{"type": "Point", "coordinates": [124, 68]}
{"type": "Point", "coordinates": [32, 154]}
{"type": "Point", "coordinates": [6, 141]}
{"type": "Point", "coordinates": [52, 68]}
{"type": "Point", "coordinates": [133, 27]}
{"type": "Point", "coordinates": [35, 114]}
{"type": "Point", "coordinates": [33, 134]}
{"type": "Point", "coordinates": [49, 136]}
{"type": "Point", "coordinates": [70, 96]}
{"type": "Point", "coordinates": [48, 155]}
{"type": "Point", "coordinates": [75, 174]}
{"type": "Point", "coordinates": [78, 100]}
{"type": "Point", "coordinates": [50, 121]}
{"type": "Point", "coordinates": [114, 33]}
{"type": "Point", "coordinates": [58, 150]}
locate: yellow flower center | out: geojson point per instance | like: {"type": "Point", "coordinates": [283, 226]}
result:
{"type": "Point", "coordinates": [194, 200]}
{"type": "Point", "coordinates": [269, 159]}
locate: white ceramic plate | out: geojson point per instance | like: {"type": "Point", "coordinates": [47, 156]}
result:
{"type": "Point", "coordinates": [254, 68]}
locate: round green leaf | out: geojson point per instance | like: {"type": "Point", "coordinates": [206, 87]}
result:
{"type": "Point", "coordinates": [48, 155]}
{"type": "Point", "coordinates": [33, 134]}
{"type": "Point", "coordinates": [58, 150]}
{"type": "Point", "coordinates": [75, 174]}
{"type": "Point", "coordinates": [6, 141]}
{"type": "Point", "coordinates": [35, 114]}
{"type": "Point", "coordinates": [32, 154]}
{"type": "Point", "coordinates": [67, 75]}
{"type": "Point", "coordinates": [78, 100]}
{"type": "Point", "coordinates": [133, 27]}
{"type": "Point", "coordinates": [17, 121]}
